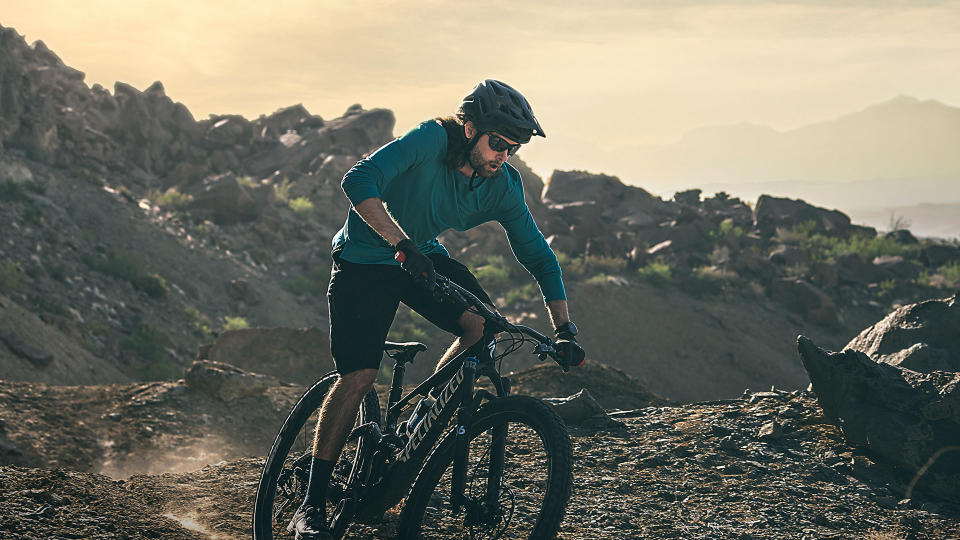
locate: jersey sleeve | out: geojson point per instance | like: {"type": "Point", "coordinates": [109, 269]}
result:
{"type": "Point", "coordinates": [371, 175]}
{"type": "Point", "coordinates": [529, 245]}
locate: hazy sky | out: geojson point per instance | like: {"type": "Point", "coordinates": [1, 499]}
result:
{"type": "Point", "coordinates": [605, 73]}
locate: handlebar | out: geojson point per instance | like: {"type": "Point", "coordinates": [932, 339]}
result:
{"type": "Point", "coordinates": [448, 290]}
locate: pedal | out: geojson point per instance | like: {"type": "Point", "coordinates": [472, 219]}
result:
{"type": "Point", "coordinates": [370, 428]}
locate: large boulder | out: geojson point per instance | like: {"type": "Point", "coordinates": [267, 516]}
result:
{"type": "Point", "coordinates": [223, 199]}
{"type": "Point", "coordinates": [225, 382]}
{"type": "Point", "coordinates": [911, 419]}
{"type": "Point", "coordinates": [773, 212]}
{"type": "Point", "coordinates": [921, 337]}
{"type": "Point", "coordinates": [576, 186]}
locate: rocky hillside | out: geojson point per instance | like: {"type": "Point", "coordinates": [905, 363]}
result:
{"type": "Point", "coordinates": [138, 235]}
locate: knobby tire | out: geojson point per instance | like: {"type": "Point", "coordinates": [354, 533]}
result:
{"type": "Point", "coordinates": [288, 461]}
{"type": "Point", "coordinates": [536, 481]}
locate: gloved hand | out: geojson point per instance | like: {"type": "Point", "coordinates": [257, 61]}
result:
{"type": "Point", "coordinates": [569, 351]}
{"type": "Point", "coordinates": [416, 263]}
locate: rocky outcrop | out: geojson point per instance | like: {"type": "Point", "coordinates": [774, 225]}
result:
{"type": "Point", "coordinates": [225, 382]}
{"type": "Point", "coordinates": [922, 337]}
{"type": "Point", "coordinates": [911, 419]}
{"type": "Point", "coordinates": [773, 212]}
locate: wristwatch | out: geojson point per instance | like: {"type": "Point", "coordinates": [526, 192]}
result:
{"type": "Point", "coordinates": [566, 328]}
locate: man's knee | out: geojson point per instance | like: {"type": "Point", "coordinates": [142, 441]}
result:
{"type": "Point", "coordinates": [358, 382]}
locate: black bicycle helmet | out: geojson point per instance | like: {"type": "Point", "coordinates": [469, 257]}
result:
{"type": "Point", "coordinates": [496, 106]}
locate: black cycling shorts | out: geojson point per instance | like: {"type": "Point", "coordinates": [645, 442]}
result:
{"type": "Point", "coordinates": [364, 298]}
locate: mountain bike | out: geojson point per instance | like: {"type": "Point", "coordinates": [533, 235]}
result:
{"type": "Point", "coordinates": [502, 470]}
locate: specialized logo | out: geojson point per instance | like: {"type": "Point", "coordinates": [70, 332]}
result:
{"type": "Point", "coordinates": [424, 426]}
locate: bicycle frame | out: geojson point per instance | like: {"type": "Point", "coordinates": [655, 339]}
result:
{"type": "Point", "coordinates": [382, 478]}
{"type": "Point", "coordinates": [457, 396]}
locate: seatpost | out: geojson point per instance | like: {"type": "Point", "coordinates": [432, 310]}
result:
{"type": "Point", "coordinates": [396, 386]}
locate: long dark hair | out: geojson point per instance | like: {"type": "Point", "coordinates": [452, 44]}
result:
{"type": "Point", "coordinates": [458, 146]}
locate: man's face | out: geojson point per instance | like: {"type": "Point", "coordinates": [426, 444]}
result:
{"type": "Point", "coordinates": [485, 160]}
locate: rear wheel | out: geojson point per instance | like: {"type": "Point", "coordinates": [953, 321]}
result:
{"type": "Point", "coordinates": [283, 483]}
{"type": "Point", "coordinates": [527, 501]}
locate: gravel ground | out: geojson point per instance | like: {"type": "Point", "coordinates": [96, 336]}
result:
{"type": "Point", "coordinates": [766, 466]}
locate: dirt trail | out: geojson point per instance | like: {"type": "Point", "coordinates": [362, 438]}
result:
{"type": "Point", "coordinates": [764, 466]}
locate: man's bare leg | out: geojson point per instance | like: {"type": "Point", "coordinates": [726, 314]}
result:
{"type": "Point", "coordinates": [339, 412]}
{"type": "Point", "coordinates": [472, 325]}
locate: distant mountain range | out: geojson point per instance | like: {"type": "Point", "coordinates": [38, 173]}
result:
{"type": "Point", "coordinates": [900, 139]}
{"type": "Point", "coordinates": [886, 158]}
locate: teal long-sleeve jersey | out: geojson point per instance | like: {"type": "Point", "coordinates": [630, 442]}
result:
{"type": "Point", "coordinates": [426, 197]}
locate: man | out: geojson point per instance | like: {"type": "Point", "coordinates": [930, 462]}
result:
{"type": "Point", "coordinates": [445, 173]}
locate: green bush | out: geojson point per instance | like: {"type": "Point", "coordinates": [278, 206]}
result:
{"type": "Point", "coordinates": [150, 345]}
{"type": "Point", "coordinates": [133, 268]}
{"type": "Point", "coordinates": [495, 274]}
{"type": "Point", "coordinates": [282, 190]}
{"type": "Point", "coordinates": [599, 279]}
{"type": "Point", "coordinates": [301, 205]}
{"type": "Point", "coordinates": [527, 294]}
{"type": "Point", "coordinates": [235, 323]}
{"type": "Point", "coordinates": [591, 265]}
{"type": "Point", "coordinates": [11, 276]}
{"type": "Point", "coordinates": [824, 247]}
{"type": "Point", "coordinates": [951, 273]}
{"type": "Point", "coordinates": [887, 287]}
{"type": "Point", "coordinates": [708, 280]}
{"type": "Point", "coordinates": [173, 200]}
{"type": "Point", "coordinates": [199, 321]}
{"type": "Point", "coordinates": [655, 272]}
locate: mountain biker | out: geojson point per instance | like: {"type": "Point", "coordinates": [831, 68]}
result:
{"type": "Point", "coordinates": [446, 173]}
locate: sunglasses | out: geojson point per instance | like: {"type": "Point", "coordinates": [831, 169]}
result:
{"type": "Point", "coordinates": [499, 144]}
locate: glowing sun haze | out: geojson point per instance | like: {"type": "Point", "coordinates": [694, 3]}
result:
{"type": "Point", "coordinates": [602, 74]}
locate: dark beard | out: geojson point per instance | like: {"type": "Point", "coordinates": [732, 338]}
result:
{"type": "Point", "coordinates": [480, 165]}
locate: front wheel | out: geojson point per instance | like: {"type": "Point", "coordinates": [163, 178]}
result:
{"type": "Point", "coordinates": [527, 500]}
{"type": "Point", "coordinates": [283, 483]}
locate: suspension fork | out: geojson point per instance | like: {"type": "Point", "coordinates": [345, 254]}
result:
{"type": "Point", "coordinates": [483, 349]}
{"type": "Point", "coordinates": [461, 446]}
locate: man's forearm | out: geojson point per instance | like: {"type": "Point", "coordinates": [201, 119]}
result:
{"type": "Point", "coordinates": [377, 217]}
{"type": "Point", "coordinates": [558, 312]}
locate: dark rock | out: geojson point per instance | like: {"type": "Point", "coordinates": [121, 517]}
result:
{"type": "Point", "coordinates": [937, 255]}
{"type": "Point", "coordinates": [921, 337]}
{"type": "Point", "coordinates": [805, 299]}
{"type": "Point", "coordinates": [290, 118]}
{"type": "Point", "coordinates": [224, 381]}
{"type": "Point", "coordinates": [227, 131]}
{"type": "Point", "coordinates": [35, 356]}
{"type": "Point", "coordinates": [906, 417]}
{"type": "Point", "coordinates": [903, 236]}
{"type": "Point", "coordinates": [770, 431]}
{"type": "Point", "coordinates": [895, 266]}
{"type": "Point", "coordinates": [690, 197]}
{"type": "Point", "coordinates": [773, 212]}
{"type": "Point", "coordinates": [579, 408]}
{"type": "Point", "coordinates": [223, 199]}
{"type": "Point", "coordinates": [853, 270]}
{"type": "Point", "coordinates": [243, 291]}
{"type": "Point", "coordinates": [785, 255]}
